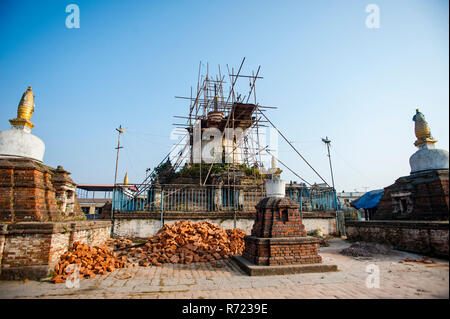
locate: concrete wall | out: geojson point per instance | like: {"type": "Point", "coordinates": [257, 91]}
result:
{"type": "Point", "coordinates": [328, 225]}
{"type": "Point", "coordinates": [147, 227]}
{"type": "Point", "coordinates": [424, 237]}
{"type": "Point", "coordinates": [142, 228]}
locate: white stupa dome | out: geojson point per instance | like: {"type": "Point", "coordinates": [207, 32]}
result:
{"type": "Point", "coordinates": [18, 141]}
{"type": "Point", "coordinates": [427, 158]}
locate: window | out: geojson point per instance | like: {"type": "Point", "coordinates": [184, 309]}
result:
{"type": "Point", "coordinates": [403, 205]}
{"type": "Point", "coordinates": [284, 216]}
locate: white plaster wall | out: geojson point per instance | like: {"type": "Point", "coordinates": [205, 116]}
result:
{"type": "Point", "coordinates": [149, 227]}
{"type": "Point", "coordinates": [328, 225]}
{"type": "Point", "coordinates": [135, 227]}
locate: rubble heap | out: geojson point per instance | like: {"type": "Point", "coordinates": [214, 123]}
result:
{"type": "Point", "coordinates": [186, 242]}
{"type": "Point", "coordinates": [90, 260]}
{"type": "Point", "coordinates": [182, 242]}
{"type": "Point", "coordinates": [366, 249]}
{"type": "Point", "coordinates": [237, 243]}
{"type": "Point", "coordinates": [118, 243]}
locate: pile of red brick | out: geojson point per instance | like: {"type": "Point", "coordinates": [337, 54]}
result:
{"type": "Point", "coordinates": [187, 242]}
{"type": "Point", "coordinates": [236, 237]}
{"type": "Point", "coordinates": [118, 243]}
{"type": "Point", "coordinates": [90, 261]}
{"type": "Point", "coordinates": [182, 242]}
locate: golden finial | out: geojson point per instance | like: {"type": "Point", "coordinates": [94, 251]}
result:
{"type": "Point", "coordinates": [125, 179]}
{"type": "Point", "coordinates": [25, 110]}
{"type": "Point", "coordinates": [422, 130]}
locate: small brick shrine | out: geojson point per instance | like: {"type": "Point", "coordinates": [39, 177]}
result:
{"type": "Point", "coordinates": [278, 236]}
{"type": "Point", "coordinates": [278, 243]}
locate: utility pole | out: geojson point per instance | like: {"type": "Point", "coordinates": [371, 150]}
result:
{"type": "Point", "coordinates": [327, 143]}
{"type": "Point", "coordinates": [121, 130]}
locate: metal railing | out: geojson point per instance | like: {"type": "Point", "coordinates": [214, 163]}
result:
{"type": "Point", "coordinates": [194, 198]}
{"type": "Point", "coordinates": [92, 216]}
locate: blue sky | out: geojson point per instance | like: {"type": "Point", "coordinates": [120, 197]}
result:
{"type": "Point", "coordinates": [328, 74]}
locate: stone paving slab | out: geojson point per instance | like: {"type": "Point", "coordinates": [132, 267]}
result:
{"type": "Point", "coordinates": [203, 281]}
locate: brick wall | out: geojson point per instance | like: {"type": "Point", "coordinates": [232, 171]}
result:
{"type": "Point", "coordinates": [32, 249]}
{"type": "Point", "coordinates": [278, 223]}
{"type": "Point", "coordinates": [294, 254]}
{"type": "Point", "coordinates": [25, 253]}
{"type": "Point", "coordinates": [281, 251]}
{"type": "Point", "coordinates": [27, 193]}
{"type": "Point", "coordinates": [60, 242]}
{"type": "Point", "coordinates": [3, 229]}
{"type": "Point", "coordinates": [424, 237]}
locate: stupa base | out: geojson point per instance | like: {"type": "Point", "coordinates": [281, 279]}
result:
{"type": "Point", "coordinates": [258, 270]}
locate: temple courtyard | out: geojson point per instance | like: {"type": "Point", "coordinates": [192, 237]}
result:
{"type": "Point", "coordinates": [356, 278]}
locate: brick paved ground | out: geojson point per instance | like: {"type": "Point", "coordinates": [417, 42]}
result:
{"type": "Point", "coordinates": [201, 280]}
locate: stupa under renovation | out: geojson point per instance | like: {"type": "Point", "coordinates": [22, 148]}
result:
{"type": "Point", "coordinates": [222, 159]}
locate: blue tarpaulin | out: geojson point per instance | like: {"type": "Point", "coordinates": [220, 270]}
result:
{"type": "Point", "coordinates": [369, 199]}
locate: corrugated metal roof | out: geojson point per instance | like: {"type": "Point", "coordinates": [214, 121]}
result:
{"type": "Point", "coordinates": [96, 187]}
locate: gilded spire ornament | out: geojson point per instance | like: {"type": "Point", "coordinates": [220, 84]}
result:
{"type": "Point", "coordinates": [422, 130]}
{"type": "Point", "coordinates": [25, 110]}
{"type": "Point", "coordinates": [125, 179]}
